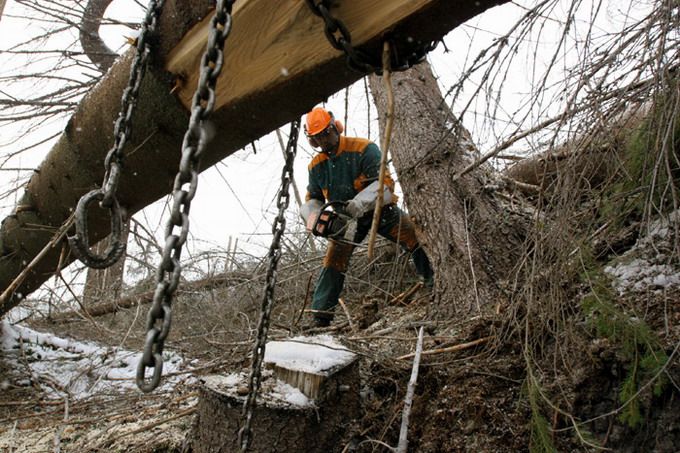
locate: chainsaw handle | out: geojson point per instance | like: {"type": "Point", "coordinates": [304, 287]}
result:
{"type": "Point", "coordinates": [333, 204]}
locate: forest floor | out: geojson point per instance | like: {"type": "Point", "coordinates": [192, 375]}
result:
{"type": "Point", "coordinates": [68, 384]}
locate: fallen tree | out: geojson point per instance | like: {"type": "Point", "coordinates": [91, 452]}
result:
{"type": "Point", "coordinates": [286, 67]}
{"type": "Point", "coordinates": [114, 305]}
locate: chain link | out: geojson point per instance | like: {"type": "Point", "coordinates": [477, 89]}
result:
{"type": "Point", "coordinates": [412, 51]}
{"type": "Point", "coordinates": [195, 140]}
{"type": "Point", "coordinates": [80, 242]}
{"type": "Point", "coordinates": [278, 227]}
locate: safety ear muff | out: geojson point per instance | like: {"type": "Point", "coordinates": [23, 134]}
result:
{"type": "Point", "coordinates": [339, 126]}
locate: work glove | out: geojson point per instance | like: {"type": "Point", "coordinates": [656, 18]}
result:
{"type": "Point", "coordinates": [354, 208]}
{"type": "Point", "coordinates": [364, 201]}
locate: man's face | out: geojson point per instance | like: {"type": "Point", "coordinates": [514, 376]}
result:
{"type": "Point", "coordinates": [327, 139]}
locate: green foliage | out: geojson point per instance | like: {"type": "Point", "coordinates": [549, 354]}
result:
{"type": "Point", "coordinates": [541, 439]}
{"type": "Point", "coordinates": [631, 412]}
{"type": "Point", "coordinates": [636, 342]}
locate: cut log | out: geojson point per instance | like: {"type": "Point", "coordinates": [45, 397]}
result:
{"type": "Point", "coordinates": [286, 418]}
{"type": "Point", "coordinates": [281, 66]}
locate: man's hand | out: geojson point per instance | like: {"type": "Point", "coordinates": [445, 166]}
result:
{"type": "Point", "coordinates": [354, 209]}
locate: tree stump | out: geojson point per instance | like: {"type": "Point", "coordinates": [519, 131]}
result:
{"type": "Point", "coordinates": [309, 397]}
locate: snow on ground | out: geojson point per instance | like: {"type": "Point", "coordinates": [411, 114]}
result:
{"type": "Point", "coordinates": [64, 366]}
{"type": "Point", "coordinates": [651, 265]}
{"type": "Point", "coordinates": [316, 354]}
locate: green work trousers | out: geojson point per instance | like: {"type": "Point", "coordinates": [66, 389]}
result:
{"type": "Point", "coordinates": [394, 225]}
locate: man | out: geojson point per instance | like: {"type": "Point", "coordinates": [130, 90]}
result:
{"type": "Point", "coordinates": [347, 169]}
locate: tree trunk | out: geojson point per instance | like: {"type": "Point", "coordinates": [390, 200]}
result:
{"type": "Point", "coordinates": [2, 7]}
{"type": "Point", "coordinates": [460, 220]}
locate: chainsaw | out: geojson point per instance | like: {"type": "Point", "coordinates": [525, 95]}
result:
{"type": "Point", "coordinates": [333, 223]}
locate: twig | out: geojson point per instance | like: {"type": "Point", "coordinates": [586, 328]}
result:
{"type": "Point", "coordinates": [11, 437]}
{"type": "Point", "coordinates": [408, 400]}
{"type": "Point", "coordinates": [407, 325]}
{"type": "Point", "coordinates": [406, 294]}
{"type": "Point", "coordinates": [458, 347]}
{"type": "Point", "coordinates": [58, 236]}
{"type": "Point", "coordinates": [387, 77]}
{"type": "Point", "coordinates": [373, 441]}
{"type": "Point", "coordinates": [60, 430]}
{"type": "Point", "coordinates": [472, 266]}
{"type": "Point", "coordinates": [349, 317]}
{"type": "Point", "coordinates": [304, 301]}
{"type": "Point", "coordinates": [152, 425]}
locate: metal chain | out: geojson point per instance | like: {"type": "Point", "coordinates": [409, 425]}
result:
{"type": "Point", "coordinates": [196, 137]}
{"type": "Point", "coordinates": [278, 227]}
{"type": "Point", "coordinates": [340, 38]}
{"type": "Point", "coordinates": [106, 195]}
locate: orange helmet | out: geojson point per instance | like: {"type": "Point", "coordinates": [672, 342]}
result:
{"type": "Point", "coordinates": [319, 119]}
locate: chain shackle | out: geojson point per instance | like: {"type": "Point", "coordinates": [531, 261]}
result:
{"type": "Point", "coordinates": [159, 318]}
{"type": "Point", "coordinates": [113, 163]}
{"type": "Point", "coordinates": [278, 228]}
{"type": "Point", "coordinates": [341, 39]}
{"type": "Point", "coordinates": [79, 242]}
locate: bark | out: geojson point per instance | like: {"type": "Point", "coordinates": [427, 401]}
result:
{"type": "Point", "coordinates": [2, 7]}
{"type": "Point", "coordinates": [92, 43]}
{"type": "Point", "coordinates": [471, 239]}
{"type": "Point", "coordinates": [74, 165]}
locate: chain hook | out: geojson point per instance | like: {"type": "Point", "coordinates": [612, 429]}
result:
{"type": "Point", "coordinates": [80, 242]}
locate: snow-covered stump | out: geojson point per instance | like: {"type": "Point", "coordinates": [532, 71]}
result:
{"type": "Point", "coordinates": [309, 396]}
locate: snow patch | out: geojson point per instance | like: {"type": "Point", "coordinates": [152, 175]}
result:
{"type": "Point", "coordinates": [646, 265]}
{"type": "Point", "coordinates": [66, 366]}
{"type": "Point", "coordinates": [317, 354]}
